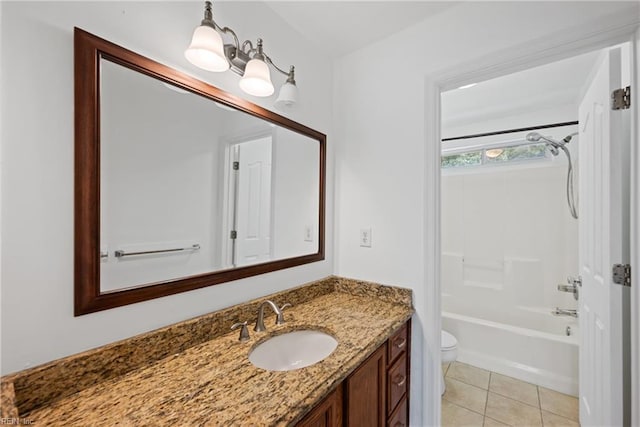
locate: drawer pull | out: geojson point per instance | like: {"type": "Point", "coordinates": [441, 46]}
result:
{"type": "Point", "coordinates": [400, 380]}
{"type": "Point", "coordinates": [400, 343]}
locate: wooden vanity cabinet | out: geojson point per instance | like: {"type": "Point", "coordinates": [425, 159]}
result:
{"type": "Point", "coordinates": [328, 413]}
{"type": "Point", "coordinates": [376, 394]}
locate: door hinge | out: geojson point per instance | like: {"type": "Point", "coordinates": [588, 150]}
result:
{"type": "Point", "coordinates": [621, 98]}
{"type": "Point", "coordinates": [233, 234]}
{"type": "Point", "coordinates": [236, 166]}
{"type": "Point", "coordinates": [622, 274]}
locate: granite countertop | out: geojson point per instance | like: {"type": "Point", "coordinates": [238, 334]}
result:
{"type": "Point", "coordinates": [214, 383]}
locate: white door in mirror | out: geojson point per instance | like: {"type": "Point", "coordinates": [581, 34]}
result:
{"type": "Point", "coordinates": [293, 350]}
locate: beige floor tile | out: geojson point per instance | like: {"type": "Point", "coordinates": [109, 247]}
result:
{"type": "Point", "coordinates": [457, 416]}
{"type": "Point", "coordinates": [490, 422]}
{"type": "Point", "coordinates": [465, 395]}
{"type": "Point", "coordinates": [469, 374]}
{"type": "Point", "coordinates": [514, 389]}
{"type": "Point", "coordinates": [558, 403]}
{"type": "Point", "coordinates": [445, 368]}
{"type": "Point", "coordinates": [553, 420]}
{"type": "Point", "coordinates": [512, 412]}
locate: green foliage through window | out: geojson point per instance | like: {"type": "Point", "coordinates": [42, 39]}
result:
{"type": "Point", "coordinates": [499, 155]}
{"type": "Point", "coordinates": [462, 159]}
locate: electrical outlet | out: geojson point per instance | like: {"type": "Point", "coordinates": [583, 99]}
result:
{"type": "Point", "coordinates": [365, 237]}
{"type": "Point", "coordinates": [308, 234]}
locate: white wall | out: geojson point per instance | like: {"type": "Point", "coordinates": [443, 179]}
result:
{"type": "Point", "coordinates": [37, 174]}
{"type": "Point", "coordinates": [380, 112]}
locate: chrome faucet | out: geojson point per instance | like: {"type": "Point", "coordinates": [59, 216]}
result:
{"type": "Point", "coordinates": [278, 311]}
{"type": "Point", "coordinates": [565, 312]}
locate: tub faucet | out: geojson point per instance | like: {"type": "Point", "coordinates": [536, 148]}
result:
{"type": "Point", "coordinates": [278, 311]}
{"type": "Point", "coordinates": [565, 312]}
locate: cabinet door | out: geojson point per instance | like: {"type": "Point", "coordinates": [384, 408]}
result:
{"type": "Point", "coordinates": [327, 413]}
{"type": "Point", "coordinates": [366, 392]}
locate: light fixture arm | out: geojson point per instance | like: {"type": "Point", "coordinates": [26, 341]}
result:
{"type": "Point", "coordinates": [289, 73]}
{"type": "Point", "coordinates": [209, 51]}
{"type": "Point", "coordinates": [251, 48]}
{"type": "Point", "coordinates": [227, 30]}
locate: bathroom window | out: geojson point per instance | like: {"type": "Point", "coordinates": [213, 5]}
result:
{"type": "Point", "coordinates": [472, 158]}
{"type": "Point", "coordinates": [495, 155]}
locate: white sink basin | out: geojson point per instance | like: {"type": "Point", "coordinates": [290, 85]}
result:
{"type": "Point", "coordinates": [293, 350]}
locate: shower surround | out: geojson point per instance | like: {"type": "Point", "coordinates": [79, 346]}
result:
{"type": "Point", "coordinates": [508, 240]}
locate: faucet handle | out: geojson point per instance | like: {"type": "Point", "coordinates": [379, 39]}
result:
{"type": "Point", "coordinates": [280, 316]}
{"type": "Point", "coordinates": [244, 332]}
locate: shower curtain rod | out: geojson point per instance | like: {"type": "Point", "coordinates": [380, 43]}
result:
{"type": "Point", "coordinates": [501, 132]}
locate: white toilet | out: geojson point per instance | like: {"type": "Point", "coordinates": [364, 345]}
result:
{"type": "Point", "coordinates": [449, 352]}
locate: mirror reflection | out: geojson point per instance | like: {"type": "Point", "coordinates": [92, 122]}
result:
{"type": "Point", "coordinates": [191, 186]}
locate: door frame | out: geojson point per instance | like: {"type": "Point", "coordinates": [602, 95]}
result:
{"type": "Point", "coordinates": [575, 41]}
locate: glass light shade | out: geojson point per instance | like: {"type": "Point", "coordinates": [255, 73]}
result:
{"type": "Point", "coordinates": [288, 96]}
{"type": "Point", "coordinates": [256, 80]}
{"type": "Point", "coordinates": [207, 50]}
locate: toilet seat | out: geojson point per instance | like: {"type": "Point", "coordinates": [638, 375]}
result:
{"type": "Point", "coordinates": [447, 341]}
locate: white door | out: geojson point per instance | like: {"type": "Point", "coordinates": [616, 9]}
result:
{"type": "Point", "coordinates": [253, 209]}
{"type": "Point", "coordinates": [602, 229]}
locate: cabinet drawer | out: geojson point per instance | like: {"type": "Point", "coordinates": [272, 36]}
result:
{"type": "Point", "coordinates": [397, 343]}
{"type": "Point", "coordinates": [399, 417]}
{"type": "Point", "coordinates": [396, 382]}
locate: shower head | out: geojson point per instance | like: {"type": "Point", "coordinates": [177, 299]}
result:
{"type": "Point", "coordinates": [551, 143]}
{"type": "Point", "coordinates": [567, 138]}
{"type": "Point", "coordinates": [533, 137]}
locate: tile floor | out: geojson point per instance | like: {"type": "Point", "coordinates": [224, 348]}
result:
{"type": "Point", "coordinates": [476, 397]}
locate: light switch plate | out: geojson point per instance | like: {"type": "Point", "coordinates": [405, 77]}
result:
{"type": "Point", "coordinates": [308, 234]}
{"type": "Point", "coordinates": [365, 237]}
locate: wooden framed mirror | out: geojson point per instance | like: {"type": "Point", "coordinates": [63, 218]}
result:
{"type": "Point", "coordinates": [180, 185]}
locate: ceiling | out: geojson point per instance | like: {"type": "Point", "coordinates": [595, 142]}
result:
{"type": "Point", "coordinates": [554, 84]}
{"type": "Point", "coordinates": [338, 27]}
{"type": "Point", "coordinates": [341, 27]}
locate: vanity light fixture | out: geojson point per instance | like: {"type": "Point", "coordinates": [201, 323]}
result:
{"type": "Point", "coordinates": [209, 52]}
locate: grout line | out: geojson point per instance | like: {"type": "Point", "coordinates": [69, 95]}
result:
{"type": "Point", "coordinates": [463, 407]}
{"type": "Point", "coordinates": [486, 401]}
{"type": "Point", "coordinates": [518, 400]}
{"type": "Point", "coordinates": [498, 421]}
{"type": "Point", "coordinates": [467, 384]}
{"type": "Point", "coordinates": [540, 405]}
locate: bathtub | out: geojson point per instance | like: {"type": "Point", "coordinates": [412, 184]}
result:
{"type": "Point", "coordinates": [545, 356]}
